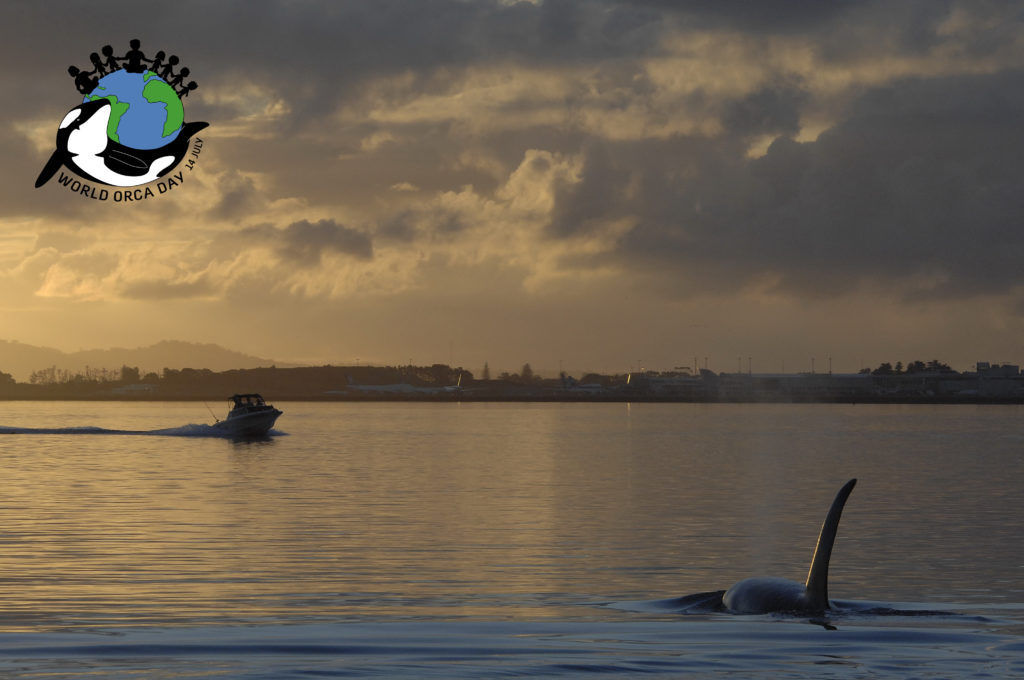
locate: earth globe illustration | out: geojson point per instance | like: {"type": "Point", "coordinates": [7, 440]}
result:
{"type": "Point", "coordinates": [145, 112]}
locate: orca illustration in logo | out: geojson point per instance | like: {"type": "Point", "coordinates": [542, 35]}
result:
{"type": "Point", "coordinates": [84, 148]}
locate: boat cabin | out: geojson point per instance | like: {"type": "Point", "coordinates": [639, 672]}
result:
{"type": "Point", "coordinates": [248, 402]}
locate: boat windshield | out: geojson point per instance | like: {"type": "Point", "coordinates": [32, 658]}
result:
{"type": "Point", "coordinates": [247, 400]}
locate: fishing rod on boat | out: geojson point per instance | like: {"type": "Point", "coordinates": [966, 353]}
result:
{"type": "Point", "coordinates": [215, 418]}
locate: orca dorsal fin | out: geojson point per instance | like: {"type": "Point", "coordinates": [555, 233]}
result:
{"type": "Point", "coordinates": [817, 577]}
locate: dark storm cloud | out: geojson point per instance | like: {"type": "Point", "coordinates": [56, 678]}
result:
{"type": "Point", "coordinates": [399, 227]}
{"type": "Point", "coordinates": [769, 110]}
{"type": "Point", "coordinates": [316, 53]}
{"type": "Point", "coordinates": [841, 30]}
{"type": "Point", "coordinates": [238, 197]}
{"type": "Point", "coordinates": [306, 242]}
{"type": "Point", "coordinates": [923, 179]}
{"type": "Point", "coordinates": [769, 17]}
{"type": "Point", "coordinates": [314, 57]}
{"type": "Point", "coordinates": [319, 55]}
{"type": "Point", "coordinates": [406, 226]}
{"type": "Point", "coordinates": [919, 178]}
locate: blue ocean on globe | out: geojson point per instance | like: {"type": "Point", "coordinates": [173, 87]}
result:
{"type": "Point", "coordinates": [146, 112]}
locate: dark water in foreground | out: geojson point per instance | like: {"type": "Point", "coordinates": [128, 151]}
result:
{"type": "Point", "coordinates": [446, 540]}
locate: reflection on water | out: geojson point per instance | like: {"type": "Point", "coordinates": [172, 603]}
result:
{"type": "Point", "coordinates": [388, 525]}
{"type": "Point", "coordinates": [530, 511]}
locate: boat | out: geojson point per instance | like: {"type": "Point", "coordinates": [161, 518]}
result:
{"type": "Point", "coordinates": [250, 416]}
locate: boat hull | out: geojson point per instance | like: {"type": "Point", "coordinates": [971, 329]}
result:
{"type": "Point", "coordinates": [249, 424]}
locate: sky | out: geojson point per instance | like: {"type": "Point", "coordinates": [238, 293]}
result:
{"type": "Point", "coordinates": [586, 185]}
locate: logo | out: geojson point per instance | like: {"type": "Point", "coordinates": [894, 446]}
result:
{"type": "Point", "coordinates": [129, 131]}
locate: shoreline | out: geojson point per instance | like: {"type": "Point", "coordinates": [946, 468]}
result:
{"type": "Point", "coordinates": [549, 398]}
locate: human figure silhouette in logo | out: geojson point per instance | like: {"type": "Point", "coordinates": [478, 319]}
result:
{"type": "Point", "coordinates": [178, 78]}
{"type": "Point", "coordinates": [97, 65]}
{"type": "Point", "coordinates": [111, 61]}
{"type": "Point", "coordinates": [157, 62]}
{"type": "Point", "coordinates": [84, 82]}
{"type": "Point", "coordinates": [168, 71]}
{"type": "Point", "coordinates": [134, 58]}
{"type": "Point", "coordinates": [133, 62]}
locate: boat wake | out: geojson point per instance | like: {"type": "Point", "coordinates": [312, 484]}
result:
{"type": "Point", "coordinates": [190, 430]}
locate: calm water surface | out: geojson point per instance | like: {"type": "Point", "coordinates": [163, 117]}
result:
{"type": "Point", "coordinates": [503, 539]}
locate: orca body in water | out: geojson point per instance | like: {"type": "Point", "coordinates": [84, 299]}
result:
{"type": "Point", "coordinates": [763, 595]}
{"type": "Point", "coordinates": [766, 595]}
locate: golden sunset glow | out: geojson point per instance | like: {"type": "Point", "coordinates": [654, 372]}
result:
{"type": "Point", "coordinates": [587, 184]}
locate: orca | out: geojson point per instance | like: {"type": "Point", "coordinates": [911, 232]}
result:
{"type": "Point", "coordinates": [761, 595]}
{"type": "Point", "coordinates": [84, 147]}
{"type": "Point", "coordinates": [764, 595]}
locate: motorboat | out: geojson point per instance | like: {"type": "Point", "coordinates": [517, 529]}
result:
{"type": "Point", "coordinates": [250, 416]}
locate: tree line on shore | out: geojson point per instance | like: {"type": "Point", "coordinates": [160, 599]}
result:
{"type": "Point", "coordinates": [933, 366]}
{"type": "Point", "coordinates": [434, 375]}
{"type": "Point", "coordinates": [54, 381]}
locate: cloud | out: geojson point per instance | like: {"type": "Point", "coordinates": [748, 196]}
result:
{"type": "Point", "coordinates": [156, 290]}
{"type": "Point", "coordinates": [77, 276]}
{"type": "Point", "coordinates": [237, 196]}
{"type": "Point", "coordinates": [919, 185]}
{"type": "Point", "coordinates": [306, 242]}
{"type": "Point", "coordinates": [800, 153]}
{"type": "Point", "coordinates": [63, 241]}
{"type": "Point", "coordinates": [771, 110]}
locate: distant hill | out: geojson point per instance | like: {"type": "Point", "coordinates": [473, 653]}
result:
{"type": "Point", "coordinates": [20, 359]}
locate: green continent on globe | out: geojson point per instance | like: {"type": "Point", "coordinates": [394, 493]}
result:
{"type": "Point", "coordinates": [117, 109]}
{"type": "Point", "coordinates": [145, 111]}
{"type": "Point", "coordinates": [157, 91]}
